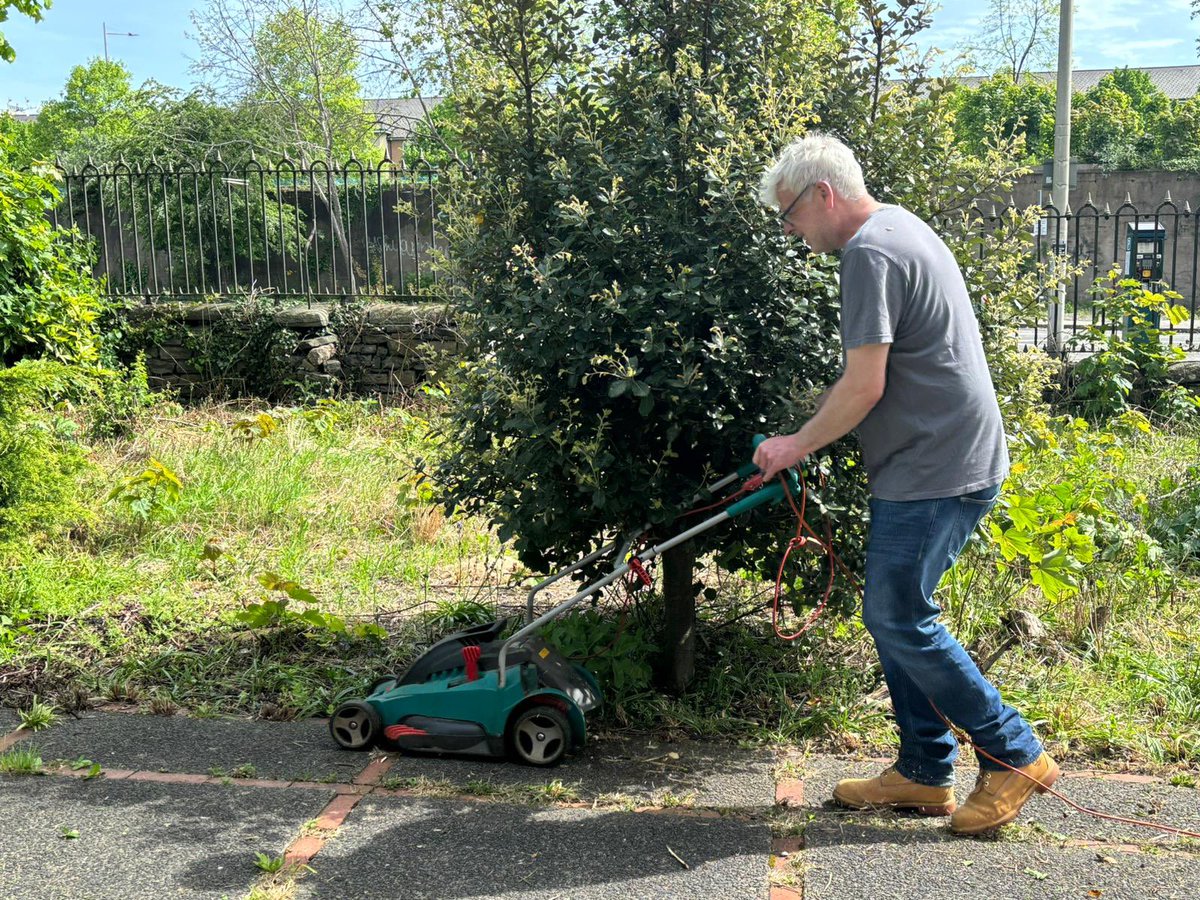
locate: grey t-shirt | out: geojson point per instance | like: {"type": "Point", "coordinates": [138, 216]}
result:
{"type": "Point", "coordinates": [936, 432]}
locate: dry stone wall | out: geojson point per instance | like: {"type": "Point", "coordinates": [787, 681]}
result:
{"type": "Point", "coordinates": [384, 348]}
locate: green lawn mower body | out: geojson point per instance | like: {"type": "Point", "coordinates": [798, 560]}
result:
{"type": "Point", "coordinates": [456, 699]}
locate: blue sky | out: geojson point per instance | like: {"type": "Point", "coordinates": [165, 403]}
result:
{"type": "Point", "coordinates": [1108, 33]}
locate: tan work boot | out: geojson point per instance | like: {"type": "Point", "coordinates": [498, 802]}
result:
{"type": "Point", "coordinates": [999, 796]}
{"type": "Point", "coordinates": [891, 790]}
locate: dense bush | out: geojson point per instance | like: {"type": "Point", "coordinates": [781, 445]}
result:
{"type": "Point", "coordinates": [38, 454]}
{"type": "Point", "coordinates": [49, 301]}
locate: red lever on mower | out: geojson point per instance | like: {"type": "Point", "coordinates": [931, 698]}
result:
{"type": "Point", "coordinates": [471, 658]}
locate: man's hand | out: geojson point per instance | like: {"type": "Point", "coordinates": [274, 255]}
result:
{"type": "Point", "coordinates": [778, 453]}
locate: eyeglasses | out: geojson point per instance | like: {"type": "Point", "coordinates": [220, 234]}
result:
{"type": "Point", "coordinates": [787, 212]}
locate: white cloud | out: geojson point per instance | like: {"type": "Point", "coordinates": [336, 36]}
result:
{"type": "Point", "coordinates": [1141, 52]}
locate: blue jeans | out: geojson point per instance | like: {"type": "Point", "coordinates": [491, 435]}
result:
{"type": "Point", "coordinates": [911, 545]}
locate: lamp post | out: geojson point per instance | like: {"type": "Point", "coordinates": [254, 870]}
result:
{"type": "Point", "coordinates": [104, 28]}
{"type": "Point", "coordinates": [1062, 175]}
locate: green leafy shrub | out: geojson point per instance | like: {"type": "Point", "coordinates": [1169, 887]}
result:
{"type": "Point", "coordinates": [40, 462]}
{"type": "Point", "coordinates": [1176, 518]}
{"type": "Point", "coordinates": [1130, 362]}
{"type": "Point", "coordinates": [39, 457]}
{"type": "Point", "coordinates": [1067, 518]}
{"type": "Point", "coordinates": [633, 314]}
{"type": "Point", "coordinates": [49, 301]}
{"type": "Point", "coordinates": [116, 398]}
{"type": "Point", "coordinates": [619, 653]}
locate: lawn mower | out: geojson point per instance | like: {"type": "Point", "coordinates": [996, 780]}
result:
{"type": "Point", "coordinates": [473, 693]}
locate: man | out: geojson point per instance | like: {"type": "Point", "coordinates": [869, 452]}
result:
{"type": "Point", "coordinates": [917, 388]}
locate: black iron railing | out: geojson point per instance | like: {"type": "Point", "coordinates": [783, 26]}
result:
{"type": "Point", "coordinates": [295, 231]}
{"type": "Point", "coordinates": [320, 230]}
{"type": "Point", "coordinates": [1093, 241]}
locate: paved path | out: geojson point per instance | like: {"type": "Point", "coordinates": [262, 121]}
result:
{"type": "Point", "coordinates": [183, 805]}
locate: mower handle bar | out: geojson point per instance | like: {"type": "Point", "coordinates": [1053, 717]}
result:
{"type": "Point", "coordinates": [772, 493]}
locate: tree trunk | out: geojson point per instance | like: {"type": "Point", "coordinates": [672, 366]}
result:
{"type": "Point", "coordinates": [679, 609]}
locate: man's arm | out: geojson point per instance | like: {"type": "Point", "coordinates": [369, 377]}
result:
{"type": "Point", "coordinates": [846, 404]}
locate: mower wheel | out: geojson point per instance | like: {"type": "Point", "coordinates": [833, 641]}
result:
{"type": "Point", "coordinates": [539, 736]}
{"type": "Point", "coordinates": [356, 725]}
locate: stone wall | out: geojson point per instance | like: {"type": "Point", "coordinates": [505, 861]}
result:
{"type": "Point", "coordinates": [383, 348]}
{"type": "Point", "coordinates": [1105, 203]}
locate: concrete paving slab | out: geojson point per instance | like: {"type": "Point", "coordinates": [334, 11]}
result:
{"type": "Point", "coordinates": [300, 751]}
{"type": "Point", "coordinates": [1159, 803]}
{"type": "Point", "coordinates": [138, 839]}
{"type": "Point", "coordinates": [700, 774]}
{"type": "Point", "coordinates": [848, 860]}
{"type": "Point", "coordinates": [393, 848]}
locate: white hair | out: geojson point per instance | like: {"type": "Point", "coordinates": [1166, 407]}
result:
{"type": "Point", "coordinates": [812, 158]}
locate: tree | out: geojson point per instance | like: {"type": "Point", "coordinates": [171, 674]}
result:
{"type": "Point", "coordinates": [293, 62]}
{"type": "Point", "coordinates": [31, 8]}
{"type": "Point", "coordinates": [1144, 96]}
{"type": "Point", "coordinates": [1105, 126]}
{"type": "Point", "coordinates": [96, 116]}
{"type": "Point", "coordinates": [1180, 132]}
{"type": "Point", "coordinates": [634, 315]}
{"type": "Point", "coordinates": [1016, 36]}
{"type": "Point", "coordinates": [1000, 107]}
{"type": "Point", "coordinates": [17, 136]}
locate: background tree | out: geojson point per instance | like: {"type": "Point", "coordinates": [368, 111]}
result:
{"type": "Point", "coordinates": [1180, 134]}
{"type": "Point", "coordinates": [31, 8]}
{"type": "Point", "coordinates": [97, 116]}
{"type": "Point", "coordinates": [1105, 126]}
{"type": "Point", "coordinates": [18, 137]}
{"type": "Point", "coordinates": [294, 63]}
{"type": "Point", "coordinates": [1015, 37]}
{"type": "Point", "coordinates": [998, 107]}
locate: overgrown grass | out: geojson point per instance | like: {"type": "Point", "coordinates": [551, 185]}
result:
{"type": "Point", "coordinates": [126, 603]}
{"type": "Point", "coordinates": [141, 609]}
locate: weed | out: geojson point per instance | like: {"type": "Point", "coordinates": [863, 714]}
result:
{"type": "Point", "coordinates": [149, 492]}
{"type": "Point", "coordinates": [669, 800]}
{"type": "Point", "coordinates": [454, 615]}
{"type": "Point", "coordinates": [618, 801]}
{"type": "Point", "coordinates": [162, 705]}
{"type": "Point", "coordinates": [21, 761]}
{"type": "Point", "coordinates": [93, 768]}
{"type": "Point", "coordinates": [267, 863]}
{"type": "Point", "coordinates": [554, 792]}
{"type": "Point", "coordinates": [1182, 779]}
{"type": "Point", "coordinates": [245, 770]}
{"type": "Point", "coordinates": [38, 716]}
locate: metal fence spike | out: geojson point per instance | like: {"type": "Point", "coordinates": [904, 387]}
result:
{"type": "Point", "coordinates": [1168, 200]}
{"type": "Point", "coordinates": [1128, 198]}
{"type": "Point", "coordinates": [1107, 209]}
{"type": "Point", "coordinates": [1187, 207]}
{"type": "Point", "coordinates": [1089, 200]}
